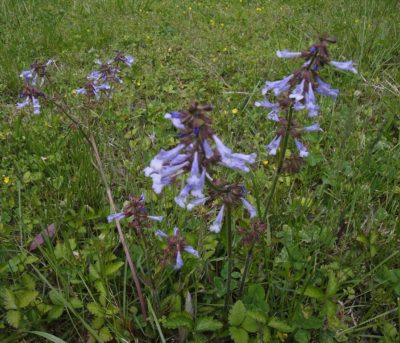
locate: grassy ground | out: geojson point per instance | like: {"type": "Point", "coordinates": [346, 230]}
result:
{"type": "Point", "coordinates": [332, 253]}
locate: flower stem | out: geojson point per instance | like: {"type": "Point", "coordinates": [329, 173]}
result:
{"type": "Point", "coordinates": [270, 196]}
{"type": "Point", "coordinates": [119, 228]}
{"type": "Point", "coordinates": [228, 223]}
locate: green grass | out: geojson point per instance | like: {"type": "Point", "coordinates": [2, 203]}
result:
{"type": "Point", "coordinates": [334, 226]}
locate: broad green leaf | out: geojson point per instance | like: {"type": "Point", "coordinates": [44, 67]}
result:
{"type": "Point", "coordinates": [250, 325]}
{"type": "Point", "coordinates": [56, 297]}
{"type": "Point", "coordinates": [207, 324]}
{"type": "Point", "coordinates": [13, 318]}
{"type": "Point", "coordinates": [75, 303]}
{"type": "Point", "coordinates": [237, 314]}
{"type": "Point", "coordinates": [302, 336]}
{"type": "Point", "coordinates": [9, 300]}
{"type": "Point", "coordinates": [24, 298]}
{"type": "Point", "coordinates": [314, 292]}
{"type": "Point", "coordinates": [238, 335]}
{"type": "Point", "coordinates": [312, 323]}
{"type": "Point", "coordinates": [55, 312]}
{"type": "Point", "coordinates": [112, 268]}
{"type": "Point", "coordinates": [95, 309]}
{"type": "Point", "coordinates": [178, 320]}
{"type": "Point", "coordinates": [257, 315]}
{"type": "Point", "coordinates": [105, 334]}
{"type": "Point", "coordinates": [333, 285]}
{"type": "Point", "coordinates": [280, 325]}
{"type": "Point", "coordinates": [28, 281]}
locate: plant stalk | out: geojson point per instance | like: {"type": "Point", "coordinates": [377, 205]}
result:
{"type": "Point", "coordinates": [118, 225]}
{"type": "Point", "coordinates": [228, 223]}
{"type": "Point", "coordinates": [270, 196]}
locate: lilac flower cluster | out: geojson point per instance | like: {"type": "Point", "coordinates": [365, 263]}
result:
{"type": "Point", "coordinates": [176, 244]}
{"type": "Point", "coordinates": [194, 154]}
{"type": "Point", "coordinates": [136, 210]}
{"type": "Point", "coordinates": [99, 81]}
{"type": "Point", "coordinates": [297, 90]}
{"type": "Point", "coordinates": [31, 92]}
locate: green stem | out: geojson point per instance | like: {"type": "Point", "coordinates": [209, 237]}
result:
{"type": "Point", "coordinates": [270, 196]}
{"type": "Point", "coordinates": [228, 223]}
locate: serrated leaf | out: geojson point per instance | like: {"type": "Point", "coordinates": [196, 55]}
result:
{"type": "Point", "coordinates": [28, 281]}
{"type": "Point", "coordinates": [24, 298]}
{"type": "Point", "coordinates": [95, 309]}
{"type": "Point", "coordinates": [257, 315]}
{"type": "Point", "coordinates": [267, 335]}
{"type": "Point", "coordinates": [237, 314]}
{"type": "Point", "coordinates": [9, 300]}
{"type": "Point", "coordinates": [333, 285]}
{"type": "Point", "coordinates": [105, 334]}
{"type": "Point", "coordinates": [207, 324]}
{"type": "Point", "coordinates": [302, 336]}
{"type": "Point", "coordinates": [56, 297]}
{"type": "Point", "coordinates": [314, 292]}
{"type": "Point", "coordinates": [178, 320]}
{"type": "Point", "coordinates": [55, 312]}
{"type": "Point", "coordinates": [238, 335]}
{"type": "Point", "coordinates": [249, 324]}
{"type": "Point", "coordinates": [112, 268]}
{"type": "Point", "coordinates": [13, 318]}
{"type": "Point", "coordinates": [280, 325]}
{"type": "Point", "coordinates": [76, 303]}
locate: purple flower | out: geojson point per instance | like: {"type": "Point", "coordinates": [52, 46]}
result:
{"type": "Point", "coordinates": [277, 86]}
{"type": "Point", "coordinates": [27, 101]}
{"type": "Point", "coordinates": [347, 66]}
{"type": "Point", "coordinates": [156, 218]}
{"type": "Point", "coordinates": [313, 127]}
{"type": "Point", "coordinates": [297, 93]}
{"type": "Point", "coordinates": [287, 54]}
{"type": "Point", "coordinates": [310, 104]}
{"type": "Point", "coordinates": [175, 118]}
{"type": "Point", "coordinates": [217, 224]}
{"type": "Point", "coordinates": [176, 245]}
{"type": "Point", "coordinates": [207, 149]}
{"type": "Point", "coordinates": [129, 60]}
{"type": "Point", "coordinates": [115, 216]}
{"type": "Point", "coordinates": [325, 89]}
{"type": "Point", "coordinates": [233, 160]}
{"type": "Point", "coordinates": [252, 211]}
{"type": "Point", "coordinates": [274, 145]}
{"type": "Point", "coordinates": [274, 114]}
{"type": "Point", "coordinates": [303, 152]}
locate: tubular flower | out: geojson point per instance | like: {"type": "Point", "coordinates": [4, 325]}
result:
{"type": "Point", "coordinates": [199, 149]}
{"type": "Point", "coordinates": [38, 69]}
{"type": "Point", "coordinates": [136, 211]}
{"type": "Point", "coordinates": [176, 245]}
{"type": "Point", "coordinates": [297, 91]}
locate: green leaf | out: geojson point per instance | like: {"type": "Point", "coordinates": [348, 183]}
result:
{"type": "Point", "coordinates": [312, 323]}
{"type": "Point", "coordinates": [237, 314]}
{"type": "Point", "coordinates": [56, 297]}
{"type": "Point", "coordinates": [48, 336]}
{"type": "Point", "coordinates": [55, 312]}
{"type": "Point", "coordinates": [75, 303]}
{"type": "Point", "coordinates": [105, 334]}
{"type": "Point", "coordinates": [280, 325]}
{"type": "Point", "coordinates": [207, 324]}
{"type": "Point", "coordinates": [250, 325]}
{"type": "Point", "coordinates": [314, 292]}
{"type": "Point", "coordinates": [302, 336]}
{"type": "Point", "coordinates": [333, 285]}
{"type": "Point", "coordinates": [28, 281]}
{"type": "Point", "coordinates": [112, 268]}
{"type": "Point", "coordinates": [13, 318]}
{"type": "Point", "coordinates": [95, 309]}
{"type": "Point", "coordinates": [258, 315]}
{"type": "Point", "coordinates": [238, 335]}
{"type": "Point", "coordinates": [24, 298]}
{"type": "Point", "coordinates": [9, 300]}
{"type": "Point", "coordinates": [178, 320]}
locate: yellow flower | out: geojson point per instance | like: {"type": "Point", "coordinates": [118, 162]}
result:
{"type": "Point", "coordinates": [73, 92]}
{"type": "Point", "coordinates": [235, 111]}
{"type": "Point", "coordinates": [258, 9]}
{"type": "Point", "coordinates": [265, 162]}
{"type": "Point", "coordinates": [6, 179]}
